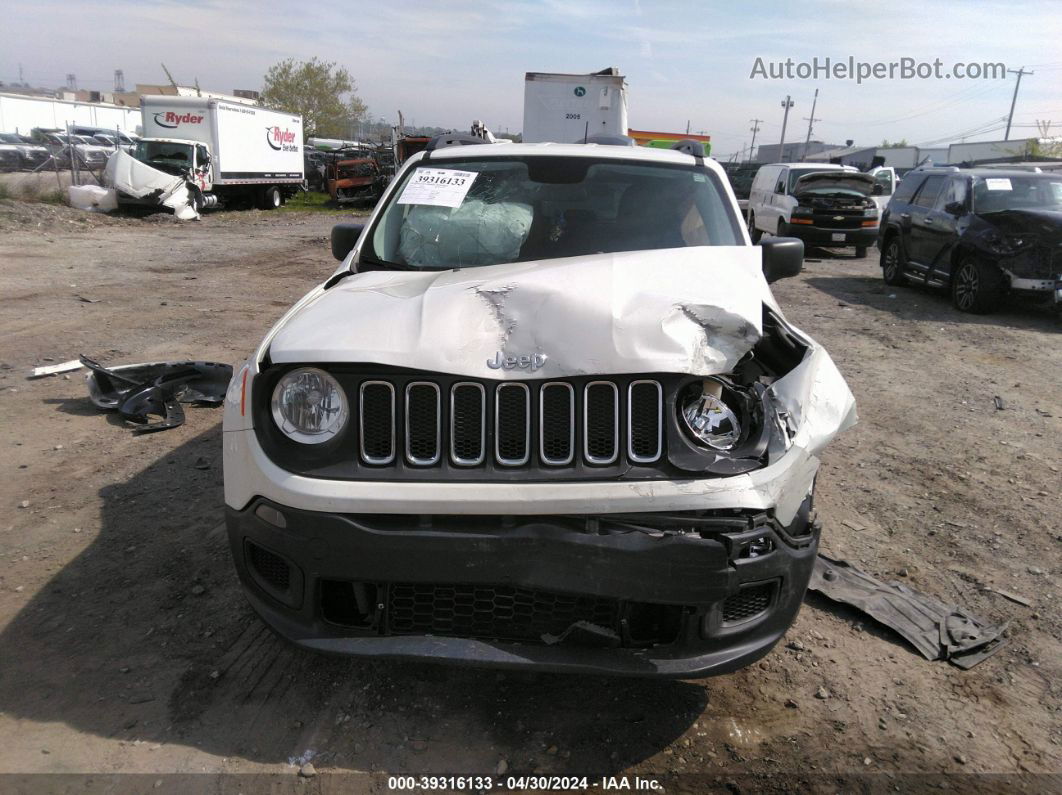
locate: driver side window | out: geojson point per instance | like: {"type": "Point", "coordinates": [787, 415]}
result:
{"type": "Point", "coordinates": [955, 192]}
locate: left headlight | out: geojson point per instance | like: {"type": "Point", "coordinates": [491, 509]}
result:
{"type": "Point", "coordinates": [309, 406]}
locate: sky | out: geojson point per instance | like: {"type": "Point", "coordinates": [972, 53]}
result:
{"type": "Point", "coordinates": [445, 64]}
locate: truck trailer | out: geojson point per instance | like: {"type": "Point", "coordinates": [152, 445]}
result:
{"type": "Point", "coordinates": [571, 108]}
{"type": "Point", "coordinates": [228, 152]}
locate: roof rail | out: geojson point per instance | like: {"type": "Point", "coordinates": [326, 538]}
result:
{"type": "Point", "coordinates": [689, 147]}
{"type": "Point", "coordinates": [608, 140]}
{"type": "Point", "coordinates": [452, 139]}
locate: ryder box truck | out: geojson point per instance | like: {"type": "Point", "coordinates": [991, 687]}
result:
{"type": "Point", "coordinates": [229, 152]}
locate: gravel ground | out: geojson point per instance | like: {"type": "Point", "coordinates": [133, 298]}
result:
{"type": "Point", "coordinates": [126, 646]}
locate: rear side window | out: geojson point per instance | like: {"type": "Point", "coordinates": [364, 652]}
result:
{"type": "Point", "coordinates": [927, 197]}
{"type": "Point", "coordinates": [907, 187]}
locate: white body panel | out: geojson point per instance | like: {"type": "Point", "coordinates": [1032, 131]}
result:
{"type": "Point", "coordinates": [248, 144]}
{"type": "Point", "coordinates": [565, 108]}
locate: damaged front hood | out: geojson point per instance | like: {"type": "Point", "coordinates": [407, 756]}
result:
{"type": "Point", "coordinates": [688, 310]}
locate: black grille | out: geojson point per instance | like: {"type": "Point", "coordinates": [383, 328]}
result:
{"type": "Point", "coordinates": [645, 415]}
{"type": "Point", "coordinates": [483, 611]}
{"type": "Point", "coordinates": [377, 422]}
{"type": "Point", "coordinates": [513, 424]}
{"type": "Point", "coordinates": [423, 432]}
{"type": "Point", "coordinates": [601, 415]}
{"type": "Point", "coordinates": [270, 567]}
{"type": "Point", "coordinates": [467, 424]}
{"type": "Point", "coordinates": [557, 423]}
{"type": "Point", "coordinates": [747, 603]}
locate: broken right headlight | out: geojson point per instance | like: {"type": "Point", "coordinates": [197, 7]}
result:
{"type": "Point", "coordinates": [708, 419]}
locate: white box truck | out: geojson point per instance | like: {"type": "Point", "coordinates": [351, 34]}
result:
{"type": "Point", "coordinates": [565, 108]}
{"type": "Point", "coordinates": [229, 152]}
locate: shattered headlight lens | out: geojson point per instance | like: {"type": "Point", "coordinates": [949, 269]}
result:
{"type": "Point", "coordinates": [709, 419]}
{"type": "Point", "coordinates": [309, 406]}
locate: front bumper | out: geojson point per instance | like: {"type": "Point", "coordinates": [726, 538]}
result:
{"type": "Point", "coordinates": [501, 591]}
{"type": "Point", "coordinates": [822, 236]}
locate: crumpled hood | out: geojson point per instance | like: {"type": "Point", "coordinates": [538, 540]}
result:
{"type": "Point", "coordinates": [1030, 220]}
{"type": "Point", "coordinates": [688, 310]}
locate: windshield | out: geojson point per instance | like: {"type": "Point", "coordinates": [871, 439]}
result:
{"type": "Point", "coordinates": [884, 178]}
{"type": "Point", "coordinates": [467, 213]}
{"type": "Point", "coordinates": [993, 194]}
{"type": "Point", "coordinates": [164, 155]}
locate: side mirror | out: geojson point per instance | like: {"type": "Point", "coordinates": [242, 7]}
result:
{"type": "Point", "coordinates": [879, 189]}
{"type": "Point", "coordinates": [780, 187]}
{"type": "Point", "coordinates": [954, 208]}
{"type": "Point", "coordinates": [344, 238]}
{"type": "Point", "coordinates": [782, 257]}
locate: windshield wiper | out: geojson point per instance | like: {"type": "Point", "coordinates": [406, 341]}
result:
{"type": "Point", "coordinates": [367, 262]}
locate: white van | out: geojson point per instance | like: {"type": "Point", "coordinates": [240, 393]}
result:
{"type": "Point", "coordinates": [824, 205]}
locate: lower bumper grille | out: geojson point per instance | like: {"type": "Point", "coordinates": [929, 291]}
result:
{"type": "Point", "coordinates": [749, 602]}
{"type": "Point", "coordinates": [499, 612]}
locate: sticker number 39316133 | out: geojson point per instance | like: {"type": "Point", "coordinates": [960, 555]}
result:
{"type": "Point", "coordinates": [440, 187]}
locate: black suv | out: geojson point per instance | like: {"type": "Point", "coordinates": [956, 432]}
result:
{"type": "Point", "coordinates": [979, 232]}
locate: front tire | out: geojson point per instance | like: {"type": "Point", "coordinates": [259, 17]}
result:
{"type": "Point", "coordinates": [976, 287]}
{"type": "Point", "coordinates": [271, 198]}
{"type": "Point", "coordinates": [892, 263]}
{"type": "Point", "coordinates": [754, 233]}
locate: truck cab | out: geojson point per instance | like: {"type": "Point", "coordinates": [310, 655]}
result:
{"type": "Point", "coordinates": [179, 157]}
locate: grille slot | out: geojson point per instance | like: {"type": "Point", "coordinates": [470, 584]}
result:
{"type": "Point", "coordinates": [377, 422]}
{"type": "Point", "coordinates": [512, 424]}
{"type": "Point", "coordinates": [484, 611]}
{"type": "Point", "coordinates": [468, 424]}
{"type": "Point", "coordinates": [748, 603]}
{"type": "Point", "coordinates": [270, 567]}
{"type": "Point", "coordinates": [601, 422]}
{"type": "Point", "coordinates": [556, 423]}
{"type": "Point", "coordinates": [423, 423]}
{"type": "Point", "coordinates": [645, 403]}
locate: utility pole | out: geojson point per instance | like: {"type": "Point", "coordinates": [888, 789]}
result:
{"type": "Point", "coordinates": [1014, 99]}
{"type": "Point", "coordinates": [71, 81]}
{"type": "Point", "coordinates": [755, 128]}
{"type": "Point", "coordinates": [119, 81]}
{"type": "Point", "coordinates": [787, 103]}
{"type": "Point", "coordinates": [811, 120]}
{"type": "Point", "coordinates": [167, 71]}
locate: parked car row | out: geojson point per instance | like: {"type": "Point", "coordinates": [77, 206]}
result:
{"type": "Point", "coordinates": [979, 233]}
{"type": "Point", "coordinates": [19, 153]}
{"type": "Point", "coordinates": [53, 148]}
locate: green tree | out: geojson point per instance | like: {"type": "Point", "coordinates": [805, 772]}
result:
{"type": "Point", "coordinates": [323, 93]}
{"type": "Point", "coordinates": [897, 145]}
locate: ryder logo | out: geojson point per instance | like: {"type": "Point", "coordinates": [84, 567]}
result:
{"type": "Point", "coordinates": [170, 120]}
{"type": "Point", "coordinates": [281, 140]}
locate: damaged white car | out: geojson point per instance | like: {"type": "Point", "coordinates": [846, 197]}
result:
{"type": "Point", "coordinates": [546, 414]}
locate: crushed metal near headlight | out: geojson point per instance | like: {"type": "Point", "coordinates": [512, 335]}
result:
{"type": "Point", "coordinates": [709, 419]}
{"type": "Point", "coordinates": [309, 406]}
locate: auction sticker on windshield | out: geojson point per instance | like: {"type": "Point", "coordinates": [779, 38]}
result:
{"type": "Point", "coordinates": [441, 187]}
{"type": "Point", "coordinates": [998, 183]}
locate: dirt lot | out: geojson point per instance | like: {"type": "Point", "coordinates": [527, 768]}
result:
{"type": "Point", "coordinates": [126, 646]}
